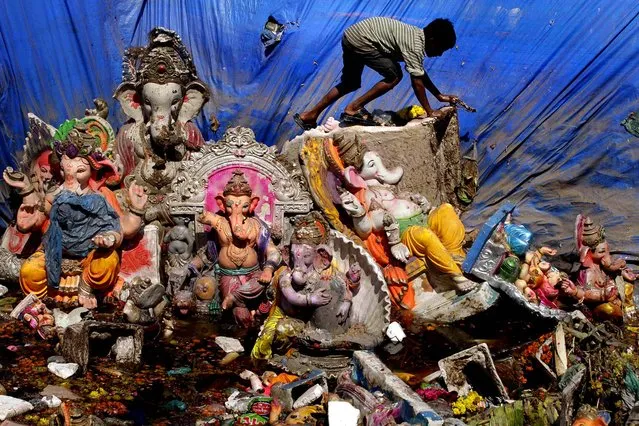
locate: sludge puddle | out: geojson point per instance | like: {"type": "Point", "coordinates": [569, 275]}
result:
{"type": "Point", "coordinates": [181, 380]}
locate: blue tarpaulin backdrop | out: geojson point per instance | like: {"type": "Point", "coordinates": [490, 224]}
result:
{"type": "Point", "coordinates": [551, 81]}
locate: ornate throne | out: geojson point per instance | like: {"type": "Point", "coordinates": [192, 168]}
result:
{"type": "Point", "coordinates": [203, 176]}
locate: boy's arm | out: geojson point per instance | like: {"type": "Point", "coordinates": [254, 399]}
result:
{"type": "Point", "coordinates": [420, 92]}
{"type": "Point", "coordinates": [428, 83]}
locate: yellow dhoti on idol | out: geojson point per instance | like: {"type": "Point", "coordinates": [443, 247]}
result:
{"type": "Point", "coordinates": [437, 240]}
{"type": "Point", "coordinates": [276, 332]}
{"type": "Point", "coordinates": [279, 327]}
{"type": "Point", "coordinates": [100, 271]}
{"type": "Point", "coordinates": [263, 348]}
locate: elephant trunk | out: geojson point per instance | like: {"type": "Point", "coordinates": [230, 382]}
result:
{"type": "Point", "coordinates": [166, 131]}
{"type": "Point", "coordinates": [238, 228]}
{"type": "Point", "coordinates": [390, 177]}
{"type": "Point", "coordinates": [300, 276]}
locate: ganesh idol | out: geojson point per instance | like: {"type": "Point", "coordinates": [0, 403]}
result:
{"type": "Point", "coordinates": [595, 287]}
{"type": "Point", "coordinates": [241, 251]}
{"type": "Point", "coordinates": [395, 226]}
{"type": "Point", "coordinates": [81, 221]}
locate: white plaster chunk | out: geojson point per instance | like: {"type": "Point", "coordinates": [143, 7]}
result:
{"type": "Point", "coordinates": [561, 356]}
{"type": "Point", "coordinates": [63, 370]}
{"type": "Point", "coordinates": [11, 407]}
{"type": "Point", "coordinates": [308, 397]}
{"type": "Point", "coordinates": [125, 350]}
{"type": "Point", "coordinates": [52, 401]}
{"type": "Point", "coordinates": [342, 413]}
{"type": "Point", "coordinates": [229, 344]}
{"type": "Point", "coordinates": [256, 383]}
{"type": "Point", "coordinates": [63, 320]}
{"type": "Point", "coordinates": [395, 332]}
{"type": "Point", "coordinates": [236, 403]}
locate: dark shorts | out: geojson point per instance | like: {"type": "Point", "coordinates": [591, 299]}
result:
{"type": "Point", "coordinates": [355, 60]}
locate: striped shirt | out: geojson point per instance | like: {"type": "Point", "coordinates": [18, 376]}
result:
{"type": "Point", "coordinates": [392, 38]}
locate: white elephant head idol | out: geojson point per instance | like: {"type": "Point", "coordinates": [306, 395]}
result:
{"type": "Point", "coordinates": [161, 92]}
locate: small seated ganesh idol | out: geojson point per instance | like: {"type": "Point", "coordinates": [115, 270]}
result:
{"type": "Point", "coordinates": [83, 223]}
{"type": "Point", "coordinates": [538, 279]}
{"type": "Point", "coordinates": [245, 257]}
{"type": "Point", "coordinates": [312, 292]}
{"type": "Point", "coordinates": [595, 286]}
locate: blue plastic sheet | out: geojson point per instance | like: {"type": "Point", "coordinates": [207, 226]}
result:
{"type": "Point", "coordinates": [551, 81]}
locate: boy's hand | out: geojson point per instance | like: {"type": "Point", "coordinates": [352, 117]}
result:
{"type": "Point", "coordinates": [436, 113]}
{"type": "Point", "coordinates": [451, 99]}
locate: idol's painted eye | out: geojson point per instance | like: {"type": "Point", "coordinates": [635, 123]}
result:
{"type": "Point", "coordinates": [229, 203]}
